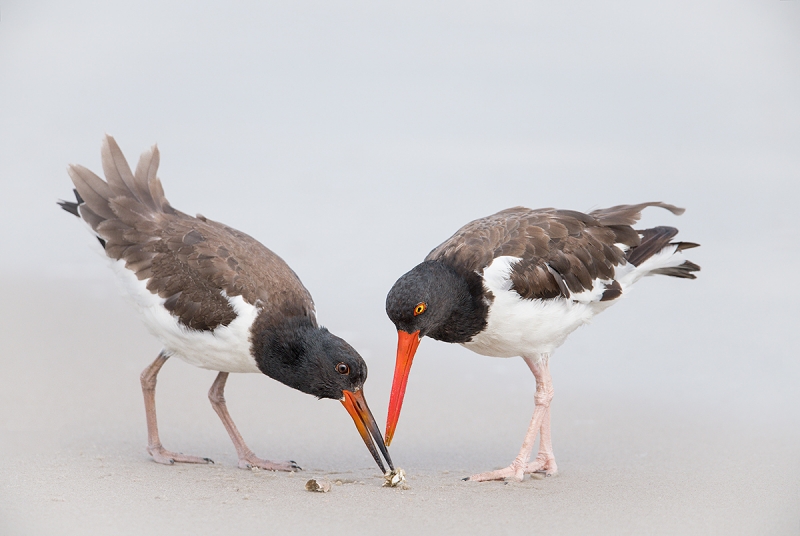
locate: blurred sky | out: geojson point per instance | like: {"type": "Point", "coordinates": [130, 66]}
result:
{"type": "Point", "coordinates": [353, 137]}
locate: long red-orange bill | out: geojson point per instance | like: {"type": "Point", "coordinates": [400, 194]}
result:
{"type": "Point", "coordinates": [356, 406]}
{"type": "Point", "coordinates": [406, 348]}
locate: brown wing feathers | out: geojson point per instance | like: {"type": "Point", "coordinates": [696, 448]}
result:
{"type": "Point", "coordinates": [187, 261]}
{"type": "Point", "coordinates": [562, 251]}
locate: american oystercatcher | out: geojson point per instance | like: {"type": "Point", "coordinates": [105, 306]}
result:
{"type": "Point", "coordinates": [216, 298]}
{"type": "Point", "coordinates": [517, 283]}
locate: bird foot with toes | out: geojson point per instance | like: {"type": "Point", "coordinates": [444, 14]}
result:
{"type": "Point", "coordinates": [250, 462]}
{"type": "Point", "coordinates": [545, 467]}
{"type": "Point", "coordinates": [162, 455]}
{"type": "Point", "coordinates": [516, 472]}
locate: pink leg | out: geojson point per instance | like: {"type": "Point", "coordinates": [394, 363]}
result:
{"type": "Point", "coordinates": [539, 422]}
{"type": "Point", "coordinates": [545, 461]}
{"type": "Point", "coordinates": [154, 447]}
{"type": "Point", "coordinates": [247, 459]}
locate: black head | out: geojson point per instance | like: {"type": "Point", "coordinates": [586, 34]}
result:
{"type": "Point", "coordinates": [433, 300]}
{"type": "Point", "coordinates": [315, 361]}
{"type": "Point", "coordinates": [438, 302]}
{"type": "Point", "coordinates": [310, 359]}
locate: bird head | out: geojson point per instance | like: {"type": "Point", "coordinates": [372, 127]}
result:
{"type": "Point", "coordinates": [426, 298]}
{"type": "Point", "coordinates": [430, 300]}
{"type": "Point", "coordinates": [315, 361]}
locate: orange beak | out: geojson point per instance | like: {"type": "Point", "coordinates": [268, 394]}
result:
{"type": "Point", "coordinates": [406, 348]}
{"type": "Point", "coordinates": [356, 406]}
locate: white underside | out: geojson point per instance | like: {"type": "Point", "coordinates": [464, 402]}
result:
{"type": "Point", "coordinates": [226, 349]}
{"type": "Point", "coordinates": [523, 327]}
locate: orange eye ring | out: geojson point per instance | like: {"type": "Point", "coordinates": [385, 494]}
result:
{"type": "Point", "coordinates": [420, 308]}
{"type": "Point", "coordinates": [342, 368]}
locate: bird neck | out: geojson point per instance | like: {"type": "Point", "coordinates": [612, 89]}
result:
{"type": "Point", "coordinates": [468, 305]}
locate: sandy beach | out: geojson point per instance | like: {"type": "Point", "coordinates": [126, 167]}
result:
{"type": "Point", "coordinates": [642, 449]}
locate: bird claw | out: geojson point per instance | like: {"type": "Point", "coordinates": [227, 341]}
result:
{"type": "Point", "coordinates": [542, 466]}
{"type": "Point", "coordinates": [516, 472]}
{"type": "Point", "coordinates": [253, 462]}
{"type": "Point", "coordinates": [511, 473]}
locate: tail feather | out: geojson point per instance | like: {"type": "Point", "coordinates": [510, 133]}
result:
{"type": "Point", "coordinates": [652, 241]}
{"type": "Point", "coordinates": [116, 169]}
{"type": "Point", "coordinates": [686, 245]}
{"type": "Point", "coordinates": [79, 209]}
{"type": "Point", "coordinates": [683, 271]}
{"type": "Point", "coordinates": [71, 207]}
{"type": "Point", "coordinates": [147, 186]}
{"type": "Point", "coordinates": [124, 194]}
{"type": "Point", "coordinates": [629, 214]}
{"type": "Point", "coordinates": [125, 199]}
{"type": "Point", "coordinates": [94, 191]}
{"type": "Point", "coordinates": [144, 185]}
{"type": "Point", "coordinates": [652, 251]}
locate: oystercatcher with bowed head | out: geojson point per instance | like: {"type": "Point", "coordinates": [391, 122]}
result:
{"type": "Point", "coordinates": [517, 283]}
{"type": "Point", "coordinates": [217, 299]}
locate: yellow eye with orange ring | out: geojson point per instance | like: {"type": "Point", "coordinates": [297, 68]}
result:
{"type": "Point", "coordinates": [420, 308]}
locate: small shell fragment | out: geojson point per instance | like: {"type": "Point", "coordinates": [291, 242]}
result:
{"type": "Point", "coordinates": [395, 478]}
{"type": "Point", "coordinates": [322, 485]}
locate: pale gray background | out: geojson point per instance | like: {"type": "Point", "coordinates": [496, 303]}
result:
{"type": "Point", "coordinates": [351, 138]}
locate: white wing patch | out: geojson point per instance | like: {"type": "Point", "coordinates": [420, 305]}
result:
{"type": "Point", "coordinates": [517, 326]}
{"type": "Point", "coordinates": [226, 349]}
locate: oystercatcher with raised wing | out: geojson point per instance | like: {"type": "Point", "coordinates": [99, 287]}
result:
{"type": "Point", "coordinates": [217, 299]}
{"type": "Point", "coordinates": [517, 283]}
